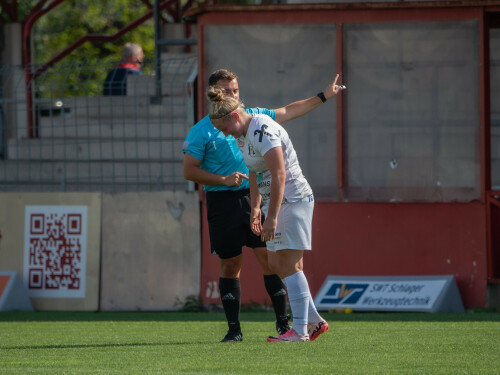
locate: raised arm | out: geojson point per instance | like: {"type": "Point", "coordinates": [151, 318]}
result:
{"type": "Point", "coordinates": [194, 172]}
{"type": "Point", "coordinates": [276, 164]}
{"type": "Point", "coordinates": [301, 107]}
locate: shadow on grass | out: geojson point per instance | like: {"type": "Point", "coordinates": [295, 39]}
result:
{"type": "Point", "coordinates": [83, 346]}
{"type": "Point", "coordinates": [57, 316]}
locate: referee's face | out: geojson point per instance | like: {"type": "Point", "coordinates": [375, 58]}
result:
{"type": "Point", "coordinates": [230, 88]}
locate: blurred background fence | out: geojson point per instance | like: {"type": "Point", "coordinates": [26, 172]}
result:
{"type": "Point", "coordinates": [73, 138]}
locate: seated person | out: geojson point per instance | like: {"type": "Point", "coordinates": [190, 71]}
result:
{"type": "Point", "coordinates": [116, 80]}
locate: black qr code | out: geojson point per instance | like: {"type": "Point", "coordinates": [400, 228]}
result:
{"type": "Point", "coordinates": [55, 250]}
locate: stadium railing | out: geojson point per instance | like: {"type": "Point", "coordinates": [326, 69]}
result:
{"type": "Point", "coordinates": [85, 141]}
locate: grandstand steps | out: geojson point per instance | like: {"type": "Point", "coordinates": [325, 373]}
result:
{"type": "Point", "coordinates": [177, 62]}
{"type": "Point", "coordinates": [145, 85]}
{"type": "Point", "coordinates": [174, 73]}
{"type": "Point", "coordinates": [61, 127]}
{"type": "Point", "coordinates": [95, 149]}
{"type": "Point", "coordinates": [93, 175]}
{"type": "Point", "coordinates": [105, 143]}
{"type": "Point", "coordinates": [136, 107]}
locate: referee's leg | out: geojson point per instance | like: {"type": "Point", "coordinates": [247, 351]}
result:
{"type": "Point", "coordinates": [230, 293]}
{"type": "Point", "coordinates": [275, 289]}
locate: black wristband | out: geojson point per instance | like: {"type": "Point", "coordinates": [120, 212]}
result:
{"type": "Point", "coordinates": [321, 95]}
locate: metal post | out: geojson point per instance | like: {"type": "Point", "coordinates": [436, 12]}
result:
{"type": "Point", "coordinates": [157, 98]}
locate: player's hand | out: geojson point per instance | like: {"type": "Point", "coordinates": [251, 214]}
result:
{"type": "Point", "coordinates": [235, 179]}
{"type": "Point", "coordinates": [333, 88]}
{"type": "Point", "coordinates": [256, 222]}
{"type": "Point", "coordinates": [269, 229]}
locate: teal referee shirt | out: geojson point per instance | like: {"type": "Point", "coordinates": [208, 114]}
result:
{"type": "Point", "coordinates": [218, 154]}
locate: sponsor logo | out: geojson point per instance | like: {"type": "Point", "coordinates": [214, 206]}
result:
{"type": "Point", "coordinates": [390, 293]}
{"type": "Point", "coordinates": [280, 292]}
{"type": "Point", "coordinates": [261, 132]}
{"type": "Point", "coordinates": [251, 151]}
{"type": "Point", "coordinates": [344, 293]}
{"type": "Point", "coordinates": [264, 183]}
{"type": "Point", "coordinates": [228, 297]}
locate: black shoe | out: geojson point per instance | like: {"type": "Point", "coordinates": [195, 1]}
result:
{"type": "Point", "coordinates": [282, 324]}
{"type": "Point", "coordinates": [233, 335]}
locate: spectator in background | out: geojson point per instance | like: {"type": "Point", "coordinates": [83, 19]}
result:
{"type": "Point", "coordinates": [116, 80]}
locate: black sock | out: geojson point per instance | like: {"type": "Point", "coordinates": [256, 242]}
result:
{"type": "Point", "coordinates": [277, 291]}
{"type": "Point", "coordinates": [230, 294]}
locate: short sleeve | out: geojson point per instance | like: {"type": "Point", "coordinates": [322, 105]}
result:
{"type": "Point", "coordinates": [262, 111]}
{"type": "Point", "coordinates": [194, 144]}
{"type": "Point", "coordinates": [266, 137]}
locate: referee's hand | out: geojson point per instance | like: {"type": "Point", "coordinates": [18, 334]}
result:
{"type": "Point", "coordinates": [333, 88]}
{"type": "Point", "coordinates": [235, 179]}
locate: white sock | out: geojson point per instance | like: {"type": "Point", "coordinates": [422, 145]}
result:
{"type": "Point", "coordinates": [313, 315]}
{"type": "Point", "coordinates": [299, 296]}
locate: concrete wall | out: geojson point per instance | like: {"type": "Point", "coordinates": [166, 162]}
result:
{"type": "Point", "coordinates": [12, 243]}
{"type": "Point", "coordinates": [142, 250]}
{"type": "Point", "coordinates": [151, 250]}
{"type": "Point", "coordinates": [13, 83]}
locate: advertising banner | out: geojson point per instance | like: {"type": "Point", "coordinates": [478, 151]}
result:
{"type": "Point", "coordinates": [390, 293]}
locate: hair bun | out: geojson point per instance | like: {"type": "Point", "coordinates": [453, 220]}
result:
{"type": "Point", "coordinates": [215, 94]}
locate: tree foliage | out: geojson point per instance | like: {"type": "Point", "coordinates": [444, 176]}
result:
{"type": "Point", "coordinates": [73, 19]}
{"type": "Point", "coordinates": [84, 69]}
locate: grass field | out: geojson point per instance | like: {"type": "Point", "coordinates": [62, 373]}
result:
{"type": "Point", "coordinates": [188, 343]}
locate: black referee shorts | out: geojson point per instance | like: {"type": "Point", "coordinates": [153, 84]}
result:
{"type": "Point", "coordinates": [228, 214]}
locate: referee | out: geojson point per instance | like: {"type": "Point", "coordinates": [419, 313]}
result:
{"type": "Point", "coordinates": [214, 161]}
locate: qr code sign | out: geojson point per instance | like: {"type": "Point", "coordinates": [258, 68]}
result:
{"type": "Point", "coordinates": [55, 251]}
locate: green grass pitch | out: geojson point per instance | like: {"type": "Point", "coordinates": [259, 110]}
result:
{"type": "Point", "coordinates": [188, 343]}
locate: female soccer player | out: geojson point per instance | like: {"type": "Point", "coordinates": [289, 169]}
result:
{"type": "Point", "coordinates": [212, 160]}
{"type": "Point", "coordinates": [275, 178]}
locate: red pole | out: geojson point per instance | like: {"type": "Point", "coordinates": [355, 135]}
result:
{"type": "Point", "coordinates": [30, 75]}
{"type": "Point", "coordinates": [28, 25]}
{"type": "Point", "coordinates": [340, 115]}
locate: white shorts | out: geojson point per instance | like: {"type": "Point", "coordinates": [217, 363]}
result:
{"type": "Point", "coordinates": [294, 226]}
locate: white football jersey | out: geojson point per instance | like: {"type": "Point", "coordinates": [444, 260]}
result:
{"type": "Point", "coordinates": [264, 134]}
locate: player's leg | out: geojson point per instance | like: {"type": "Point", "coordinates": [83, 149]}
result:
{"type": "Point", "coordinates": [274, 286]}
{"type": "Point", "coordinates": [226, 240]}
{"type": "Point", "coordinates": [230, 292]}
{"type": "Point", "coordinates": [316, 324]}
{"type": "Point", "coordinates": [275, 289]}
{"type": "Point", "coordinates": [288, 264]}
{"type": "Point", "coordinates": [294, 224]}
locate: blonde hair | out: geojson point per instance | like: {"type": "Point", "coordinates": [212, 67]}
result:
{"type": "Point", "coordinates": [220, 105]}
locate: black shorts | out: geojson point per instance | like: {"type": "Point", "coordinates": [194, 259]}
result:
{"type": "Point", "coordinates": [228, 214]}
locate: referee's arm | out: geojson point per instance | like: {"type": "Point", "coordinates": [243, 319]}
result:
{"type": "Point", "coordinates": [301, 107]}
{"type": "Point", "coordinates": [296, 109]}
{"type": "Point", "coordinates": [193, 172]}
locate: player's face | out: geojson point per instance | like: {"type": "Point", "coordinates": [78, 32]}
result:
{"type": "Point", "coordinates": [228, 125]}
{"type": "Point", "coordinates": [230, 88]}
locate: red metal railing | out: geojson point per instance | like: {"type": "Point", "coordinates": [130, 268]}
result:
{"type": "Point", "coordinates": [493, 240]}
{"type": "Point", "coordinates": [40, 9]}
